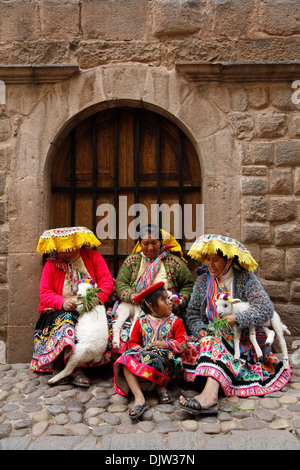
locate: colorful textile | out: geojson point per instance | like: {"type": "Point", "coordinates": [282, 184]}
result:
{"type": "Point", "coordinates": [210, 244]}
{"type": "Point", "coordinates": [179, 277]}
{"type": "Point", "coordinates": [214, 357]}
{"type": "Point", "coordinates": [146, 278]}
{"type": "Point", "coordinates": [55, 334]}
{"type": "Point", "coordinates": [154, 364]}
{"type": "Point", "coordinates": [66, 239]}
{"type": "Point", "coordinates": [214, 287]}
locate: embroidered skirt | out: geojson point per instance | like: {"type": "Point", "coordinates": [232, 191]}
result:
{"type": "Point", "coordinates": [157, 366]}
{"type": "Point", "coordinates": [214, 357]}
{"type": "Point", "coordinates": [54, 334]}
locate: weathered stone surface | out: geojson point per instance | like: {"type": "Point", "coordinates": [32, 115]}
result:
{"type": "Point", "coordinates": [273, 264]}
{"type": "Point", "coordinates": [270, 125]}
{"type": "Point", "coordinates": [281, 181]}
{"type": "Point", "coordinates": [287, 153]}
{"type": "Point", "coordinates": [282, 209]}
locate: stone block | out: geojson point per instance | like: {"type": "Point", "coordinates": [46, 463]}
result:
{"type": "Point", "coordinates": [25, 273]}
{"type": "Point", "coordinates": [254, 171]}
{"type": "Point", "coordinates": [2, 183]}
{"type": "Point", "coordinates": [3, 270]}
{"type": "Point", "coordinates": [263, 153]}
{"type": "Point", "coordinates": [281, 97]}
{"type": "Point", "coordinates": [258, 96]}
{"type": "Point", "coordinates": [239, 99]}
{"type": "Point", "coordinates": [272, 264]}
{"type": "Point", "coordinates": [255, 208]}
{"type": "Point", "coordinates": [243, 125]}
{"type": "Point", "coordinates": [59, 20]}
{"type": "Point", "coordinates": [278, 291]}
{"type": "Point", "coordinates": [251, 185]}
{"type": "Point", "coordinates": [115, 20]}
{"type": "Point", "coordinates": [280, 18]}
{"type": "Point", "coordinates": [297, 181]}
{"type": "Point", "coordinates": [282, 209]}
{"type": "Point", "coordinates": [294, 125]}
{"type": "Point", "coordinates": [292, 262]}
{"type": "Point", "coordinates": [287, 153]}
{"type": "Point", "coordinates": [2, 212]}
{"type": "Point", "coordinates": [3, 306]}
{"type": "Point", "coordinates": [280, 181]}
{"type": "Point", "coordinates": [19, 21]}
{"type": "Point", "coordinates": [5, 129]}
{"type": "Point", "coordinates": [172, 18]}
{"type": "Point", "coordinates": [287, 234]}
{"type": "Point", "coordinates": [295, 291]}
{"type": "Point", "coordinates": [244, 152]}
{"type": "Point", "coordinates": [232, 19]}
{"type": "Point", "coordinates": [271, 124]}
{"type": "Point", "coordinates": [257, 233]}
{"type": "Point", "coordinates": [5, 157]}
{"type": "Point", "coordinates": [19, 344]}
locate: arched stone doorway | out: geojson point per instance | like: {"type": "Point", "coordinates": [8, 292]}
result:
{"type": "Point", "coordinates": [119, 157]}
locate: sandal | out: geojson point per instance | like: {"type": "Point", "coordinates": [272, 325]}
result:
{"type": "Point", "coordinates": [138, 410]}
{"type": "Point", "coordinates": [193, 406]}
{"type": "Point", "coordinates": [81, 380]}
{"type": "Point", "coordinates": [165, 397]}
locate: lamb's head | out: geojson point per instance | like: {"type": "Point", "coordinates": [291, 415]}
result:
{"type": "Point", "coordinates": [223, 304]}
{"type": "Point", "coordinates": [87, 295]}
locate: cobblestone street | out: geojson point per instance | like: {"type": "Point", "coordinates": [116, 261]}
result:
{"type": "Point", "coordinates": [36, 416]}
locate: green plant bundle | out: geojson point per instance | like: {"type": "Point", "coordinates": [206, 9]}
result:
{"type": "Point", "coordinates": [220, 324]}
{"type": "Point", "coordinates": [90, 300]}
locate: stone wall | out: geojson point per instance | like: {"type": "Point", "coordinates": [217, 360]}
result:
{"type": "Point", "coordinates": [245, 129]}
{"type": "Point", "coordinates": [157, 32]}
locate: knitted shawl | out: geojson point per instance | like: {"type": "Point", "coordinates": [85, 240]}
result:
{"type": "Point", "coordinates": [246, 287]}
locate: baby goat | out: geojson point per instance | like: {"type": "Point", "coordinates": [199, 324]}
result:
{"type": "Point", "coordinates": [91, 332]}
{"type": "Point", "coordinates": [226, 306]}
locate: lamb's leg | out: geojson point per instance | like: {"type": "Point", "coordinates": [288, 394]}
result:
{"type": "Point", "coordinates": [253, 340]}
{"type": "Point", "coordinates": [137, 310]}
{"type": "Point", "coordinates": [73, 362]}
{"type": "Point", "coordinates": [279, 328]}
{"type": "Point", "coordinates": [270, 334]}
{"type": "Point", "coordinates": [123, 312]}
{"type": "Point", "coordinates": [237, 337]}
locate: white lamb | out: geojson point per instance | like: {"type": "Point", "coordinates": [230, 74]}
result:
{"type": "Point", "coordinates": [226, 306]}
{"type": "Point", "coordinates": [91, 334]}
{"type": "Point", "coordinates": [124, 311]}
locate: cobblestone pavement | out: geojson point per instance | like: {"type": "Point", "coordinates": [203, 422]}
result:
{"type": "Point", "coordinates": [36, 416]}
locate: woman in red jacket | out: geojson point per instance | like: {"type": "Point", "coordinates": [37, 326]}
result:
{"type": "Point", "coordinates": [69, 262]}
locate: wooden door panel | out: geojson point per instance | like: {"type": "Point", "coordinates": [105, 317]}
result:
{"type": "Point", "coordinates": [129, 153]}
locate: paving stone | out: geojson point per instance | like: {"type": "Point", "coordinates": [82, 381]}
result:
{"type": "Point", "coordinates": [153, 441]}
{"type": "Point", "coordinates": [252, 423]}
{"type": "Point", "coordinates": [167, 426]}
{"type": "Point", "coordinates": [266, 439]}
{"type": "Point", "coordinates": [102, 430]}
{"type": "Point", "coordinates": [15, 443]}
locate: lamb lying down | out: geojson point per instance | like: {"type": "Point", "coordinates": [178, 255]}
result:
{"type": "Point", "coordinates": [226, 306]}
{"type": "Point", "coordinates": [91, 332]}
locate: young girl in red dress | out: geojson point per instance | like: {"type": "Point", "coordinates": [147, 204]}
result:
{"type": "Point", "coordinates": [157, 340]}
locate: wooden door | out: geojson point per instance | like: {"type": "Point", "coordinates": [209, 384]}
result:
{"type": "Point", "coordinates": [118, 155]}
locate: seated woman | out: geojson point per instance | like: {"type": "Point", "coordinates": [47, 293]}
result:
{"type": "Point", "coordinates": [69, 262]}
{"type": "Point", "coordinates": [155, 259]}
{"type": "Point", "coordinates": [227, 270]}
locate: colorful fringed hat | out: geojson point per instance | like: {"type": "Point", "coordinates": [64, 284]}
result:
{"type": "Point", "coordinates": [66, 239]}
{"type": "Point", "coordinates": [210, 244]}
{"type": "Point", "coordinates": [167, 239]}
{"type": "Point", "coordinates": [148, 291]}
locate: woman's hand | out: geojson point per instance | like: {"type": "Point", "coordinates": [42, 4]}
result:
{"type": "Point", "coordinates": [202, 333]}
{"type": "Point", "coordinates": [160, 344]}
{"type": "Point", "coordinates": [232, 320]}
{"type": "Point", "coordinates": [69, 304]}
